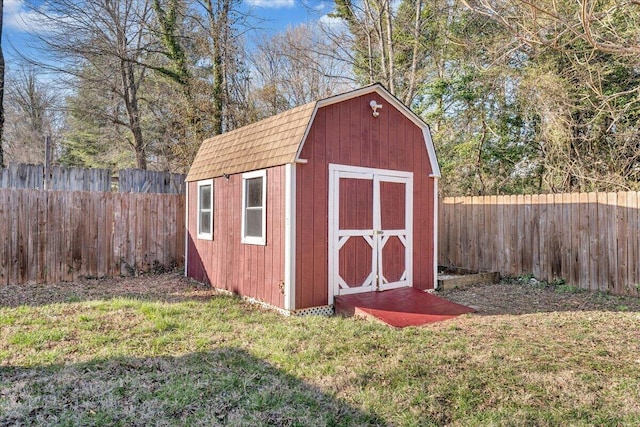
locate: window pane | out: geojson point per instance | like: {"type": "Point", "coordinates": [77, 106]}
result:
{"type": "Point", "coordinates": [205, 197]}
{"type": "Point", "coordinates": [254, 192]}
{"type": "Point", "coordinates": [205, 222]}
{"type": "Point", "coordinates": [253, 227]}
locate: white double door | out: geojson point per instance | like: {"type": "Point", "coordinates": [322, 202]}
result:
{"type": "Point", "coordinates": [370, 229]}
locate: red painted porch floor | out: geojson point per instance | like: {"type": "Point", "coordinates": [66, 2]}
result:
{"type": "Point", "coordinates": [399, 307]}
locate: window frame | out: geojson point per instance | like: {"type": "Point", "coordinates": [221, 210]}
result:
{"type": "Point", "coordinates": [262, 239]}
{"type": "Point", "coordinates": [199, 210]}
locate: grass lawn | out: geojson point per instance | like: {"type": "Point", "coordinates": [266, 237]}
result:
{"type": "Point", "coordinates": [163, 351]}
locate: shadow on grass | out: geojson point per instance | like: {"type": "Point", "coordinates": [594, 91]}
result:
{"type": "Point", "coordinates": [221, 387]}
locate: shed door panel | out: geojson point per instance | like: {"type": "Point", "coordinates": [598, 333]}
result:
{"type": "Point", "coordinates": [394, 231]}
{"type": "Point", "coordinates": [355, 235]}
{"type": "Point", "coordinates": [370, 219]}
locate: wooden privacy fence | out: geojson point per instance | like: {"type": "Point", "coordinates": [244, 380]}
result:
{"type": "Point", "coordinates": [591, 240]}
{"type": "Point", "coordinates": [18, 175]}
{"type": "Point", "coordinates": [53, 236]}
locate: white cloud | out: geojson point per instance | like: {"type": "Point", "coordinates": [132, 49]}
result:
{"type": "Point", "coordinates": [274, 4]}
{"type": "Point", "coordinates": [320, 6]}
{"type": "Point", "coordinates": [329, 22]}
{"type": "Point", "coordinates": [17, 16]}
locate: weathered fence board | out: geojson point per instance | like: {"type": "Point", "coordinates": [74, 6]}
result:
{"type": "Point", "coordinates": [53, 236]}
{"type": "Point", "coordinates": [25, 176]}
{"type": "Point", "coordinates": [146, 181]}
{"type": "Point", "coordinates": [78, 179]}
{"type": "Point", "coordinates": [590, 240]}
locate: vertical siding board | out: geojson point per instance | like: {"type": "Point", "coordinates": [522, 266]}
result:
{"type": "Point", "coordinates": [327, 127]}
{"type": "Point", "coordinates": [622, 242]}
{"type": "Point", "coordinates": [101, 241]}
{"type": "Point", "coordinates": [61, 233]}
{"type": "Point", "coordinates": [575, 239]}
{"type": "Point", "coordinates": [127, 233]}
{"type": "Point", "coordinates": [555, 236]}
{"type": "Point", "coordinates": [388, 124]}
{"type": "Point", "coordinates": [603, 236]}
{"type": "Point", "coordinates": [527, 253]}
{"type": "Point", "coordinates": [583, 241]}
{"type": "Point", "coordinates": [132, 236]}
{"type": "Point", "coordinates": [176, 226]}
{"type": "Point", "coordinates": [21, 252]}
{"type": "Point", "coordinates": [521, 234]}
{"type": "Point", "coordinates": [491, 261]}
{"type": "Point", "coordinates": [13, 227]}
{"type": "Point", "coordinates": [567, 231]}
{"type": "Point", "coordinates": [92, 234]}
{"type": "Point", "coordinates": [267, 261]}
{"type": "Point", "coordinates": [4, 232]}
{"type": "Point", "coordinates": [633, 255]}
{"type": "Point", "coordinates": [442, 225]}
{"type": "Point", "coordinates": [194, 267]}
{"type": "Point", "coordinates": [535, 235]}
{"type": "Point", "coordinates": [612, 243]}
{"type": "Point", "coordinates": [278, 249]}
{"type": "Point", "coordinates": [319, 222]}
{"type": "Point", "coordinates": [109, 227]}
{"type": "Point", "coordinates": [32, 236]}
{"type": "Point", "coordinates": [501, 241]}
{"type": "Point", "coordinates": [152, 229]}
{"type": "Point", "coordinates": [116, 231]}
{"type": "Point", "coordinates": [84, 235]}
{"type": "Point", "coordinates": [423, 212]}
{"type": "Point", "coordinates": [57, 235]}
{"type": "Point", "coordinates": [180, 221]}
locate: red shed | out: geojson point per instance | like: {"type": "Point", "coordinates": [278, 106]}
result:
{"type": "Point", "coordinates": [334, 197]}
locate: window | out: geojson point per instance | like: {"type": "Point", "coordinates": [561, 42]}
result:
{"type": "Point", "coordinates": [205, 209]}
{"type": "Point", "coordinates": [254, 195]}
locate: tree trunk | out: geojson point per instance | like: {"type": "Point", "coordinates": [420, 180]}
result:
{"type": "Point", "coordinates": [408, 98]}
{"type": "Point", "coordinates": [129, 90]}
{"type": "Point", "coordinates": [390, 50]}
{"type": "Point", "coordinates": [1, 87]}
{"type": "Point", "coordinates": [218, 32]}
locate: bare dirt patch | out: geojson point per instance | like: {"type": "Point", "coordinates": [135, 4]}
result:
{"type": "Point", "coordinates": [508, 297]}
{"type": "Point", "coordinates": [524, 297]}
{"type": "Point", "coordinates": [169, 287]}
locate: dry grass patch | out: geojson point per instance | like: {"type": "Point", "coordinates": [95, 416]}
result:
{"type": "Point", "coordinates": [166, 351]}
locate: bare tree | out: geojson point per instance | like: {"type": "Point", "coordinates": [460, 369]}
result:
{"type": "Point", "coordinates": [101, 45]}
{"type": "Point", "coordinates": [1, 86]}
{"type": "Point", "coordinates": [389, 41]}
{"type": "Point", "coordinates": [32, 112]}
{"type": "Point", "coordinates": [296, 67]}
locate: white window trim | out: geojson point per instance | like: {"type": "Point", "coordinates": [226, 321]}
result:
{"type": "Point", "coordinates": [205, 236]}
{"type": "Point", "coordinates": [253, 240]}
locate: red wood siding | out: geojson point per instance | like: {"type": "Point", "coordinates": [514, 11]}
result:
{"type": "Point", "coordinates": [347, 133]}
{"type": "Point", "coordinates": [250, 270]}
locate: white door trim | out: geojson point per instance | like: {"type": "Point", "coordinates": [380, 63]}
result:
{"type": "Point", "coordinates": [290, 237]}
{"type": "Point", "coordinates": [375, 238]}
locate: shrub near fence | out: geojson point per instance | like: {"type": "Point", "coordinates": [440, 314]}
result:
{"type": "Point", "coordinates": [589, 240]}
{"type": "Point", "coordinates": [52, 236]}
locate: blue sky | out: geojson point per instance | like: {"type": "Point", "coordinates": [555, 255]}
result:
{"type": "Point", "coordinates": [274, 15]}
{"type": "Point", "coordinates": [278, 14]}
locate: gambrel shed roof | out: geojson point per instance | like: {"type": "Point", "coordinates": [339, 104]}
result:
{"type": "Point", "coordinates": [278, 140]}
